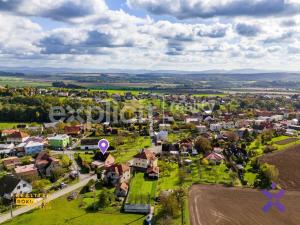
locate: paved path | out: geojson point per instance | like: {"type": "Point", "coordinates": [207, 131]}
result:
{"type": "Point", "coordinates": [50, 197]}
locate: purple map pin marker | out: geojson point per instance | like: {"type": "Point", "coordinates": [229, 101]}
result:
{"type": "Point", "coordinates": [103, 145]}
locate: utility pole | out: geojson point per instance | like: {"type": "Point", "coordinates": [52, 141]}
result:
{"type": "Point", "coordinates": [94, 189]}
{"type": "Point", "coordinates": [11, 207]}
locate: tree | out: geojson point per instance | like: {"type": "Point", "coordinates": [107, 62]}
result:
{"type": "Point", "coordinates": [232, 137]}
{"type": "Point", "coordinates": [204, 162]}
{"type": "Point", "coordinates": [65, 161]}
{"type": "Point", "coordinates": [99, 173]}
{"type": "Point", "coordinates": [170, 205]}
{"type": "Point", "coordinates": [104, 200]}
{"type": "Point", "coordinates": [26, 160]}
{"type": "Point", "coordinates": [57, 173]}
{"type": "Point", "coordinates": [266, 175]}
{"type": "Point", "coordinates": [40, 185]}
{"type": "Point", "coordinates": [203, 145]}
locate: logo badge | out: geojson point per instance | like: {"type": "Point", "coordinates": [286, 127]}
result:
{"type": "Point", "coordinates": [274, 200]}
{"type": "Point", "coordinates": [103, 145]}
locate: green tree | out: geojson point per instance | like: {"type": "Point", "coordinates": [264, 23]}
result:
{"type": "Point", "coordinates": [170, 205]}
{"type": "Point", "coordinates": [203, 144]}
{"type": "Point", "coordinates": [40, 185]}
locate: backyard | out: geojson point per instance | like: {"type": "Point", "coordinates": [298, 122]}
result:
{"type": "Point", "coordinates": [141, 189]}
{"type": "Point", "coordinates": [61, 211]}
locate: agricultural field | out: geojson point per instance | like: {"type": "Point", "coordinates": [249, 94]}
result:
{"type": "Point", "coordinates": [141, 190]}
{"type": "Point", "coordinates": [20, 82]}
{"type": "Point", "coordinates": [215, 204]}
{"type": "Point", "coordinates": [288, 164]}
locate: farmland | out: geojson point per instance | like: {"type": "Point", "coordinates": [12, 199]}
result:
{"type": "Point", "coordinates": [217, 205]}
{"type": "Point", "coordinates": [288, 164]}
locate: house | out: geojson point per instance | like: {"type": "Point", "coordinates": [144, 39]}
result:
{"type": "Point", "coordinates": [215, 157]}
{"type": "Point", "coordinates": [11, 162]}
{"type": "Point", "coordinates": [161, 135]}
{"type": "Point", "coordinates": [31, 147]}
{"type": "Point", "coordinates": [7, 132]}
{"type": "Point", "coordinates": [153, 172]}
{"type": "Point", "coordinates": [46, 164]}
{"type": "Point", "coordinates": [73, 130]}
{"type": "Point", "coordinates": [228, 125]}
{"type": "Point", "coordinates": [167, 148]}
{"type": "Point", "coordinates": [26, 172]}
{"type": "Point", "coordinates": [201, 129]}
{"type": "Point", "coordinates": [10, 185]}
{"type": "Point", "coordinates": [218, 150]}
{"type": "Point", "coordinates": [89, 144]}
{"type": "Point", "coordinates": [59, 141]}
{"type": "Point", "coordinates": [17, 137]}
{"type": "Point", "coordinates": [103, 160]}
{"type": "Point", "coordinates": [116, 174]}
{"type": "Point", "coordinates": [144, 159]}
{"type": "Point", "coordinates": [216, 127]}
{"type": "Point", "coordinates": [122, 190]}
{"type": "Point", "coordinates": [192, 120]}
{"type": "Point", "coordinates": [6, 148]}
{"type": "Point", "coordinates": [50, 125]}
{"type": "Point", "coordinates": [163, 127]}
{"type": "Point", "coordinates": [242, 131]}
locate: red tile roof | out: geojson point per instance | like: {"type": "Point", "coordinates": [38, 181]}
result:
{"type": "Point", "coordinates": [146, 154]}
{"type": "Point", "coordinates": [119, 169]}
{"type": "Point", "coordinates": [18, 134]}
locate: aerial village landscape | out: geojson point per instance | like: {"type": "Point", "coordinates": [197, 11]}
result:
{"type": "Point", "coordinates": [157, 160]}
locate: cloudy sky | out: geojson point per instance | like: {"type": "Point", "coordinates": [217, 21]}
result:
{"type": "Point", "coordinates": [151, 34]}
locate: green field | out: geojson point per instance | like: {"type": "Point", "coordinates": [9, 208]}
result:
{"type": "Point", "coordinates": [61, 212]}
{"type": "Point", "coordinates": [20, 82]}
{"type": "Point", "coordinates": [129, 147]}
{"type": "Point", "coordinates": [9, 125]}
{"type": "Point", "coordinates": [141, 190]}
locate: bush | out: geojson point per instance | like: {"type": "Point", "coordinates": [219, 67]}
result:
{"type": "Point", "coordinates": [269, 149]}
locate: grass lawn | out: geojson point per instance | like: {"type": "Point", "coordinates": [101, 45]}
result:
{"type": "Point", "coordinates": [217, 174]}
{"type": "Point", "coordinates": [278, 142]}
{"type": "Point", "coordinates": [11, 125]}
{"type": "Point", "coordinates": [259, 147]}
{"type": "Point", "coordinates": [175, 137]}
{"type": "Point", "coordinates": [131, 147]}
{"type": "Point", "coordinates": [61, 212]}
{"type": "Point", "coordinates": [8, 125]}
{"type": "Point", "coordinates": [141, 189]}
{"type": "Point", "coordinates": [168, 177]}
{"type": "Point", "coordinates": [89, 158]}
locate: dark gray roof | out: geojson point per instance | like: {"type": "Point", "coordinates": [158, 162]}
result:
{"type": "Point", "coordinates": [8, 184]}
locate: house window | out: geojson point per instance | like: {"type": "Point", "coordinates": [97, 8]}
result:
{"type": "Point", "coordinates": [18, 187]}
{"type": "Point", "coordinates": [24, 185]}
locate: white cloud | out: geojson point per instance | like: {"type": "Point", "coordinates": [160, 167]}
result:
{"type": "Point", "coordinates": [99, 37]}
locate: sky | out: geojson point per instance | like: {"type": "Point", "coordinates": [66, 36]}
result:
{"type": "Point", "coordinates": [187, 35]}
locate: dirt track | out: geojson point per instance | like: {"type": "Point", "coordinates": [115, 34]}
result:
{"type": "Point", "coordinates": [218, 205]}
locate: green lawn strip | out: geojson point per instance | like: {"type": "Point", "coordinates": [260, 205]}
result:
{"type": "Point", "coordinates": [141, 189]}
{"type": "Point", "coordinates": [10, 125]}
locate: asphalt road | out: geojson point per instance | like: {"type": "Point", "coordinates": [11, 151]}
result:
{"type": "Point", "coordinates": [57, 194]}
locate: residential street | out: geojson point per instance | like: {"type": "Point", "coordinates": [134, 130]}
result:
{"type": "Point", "coordinates": [84, 181]}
